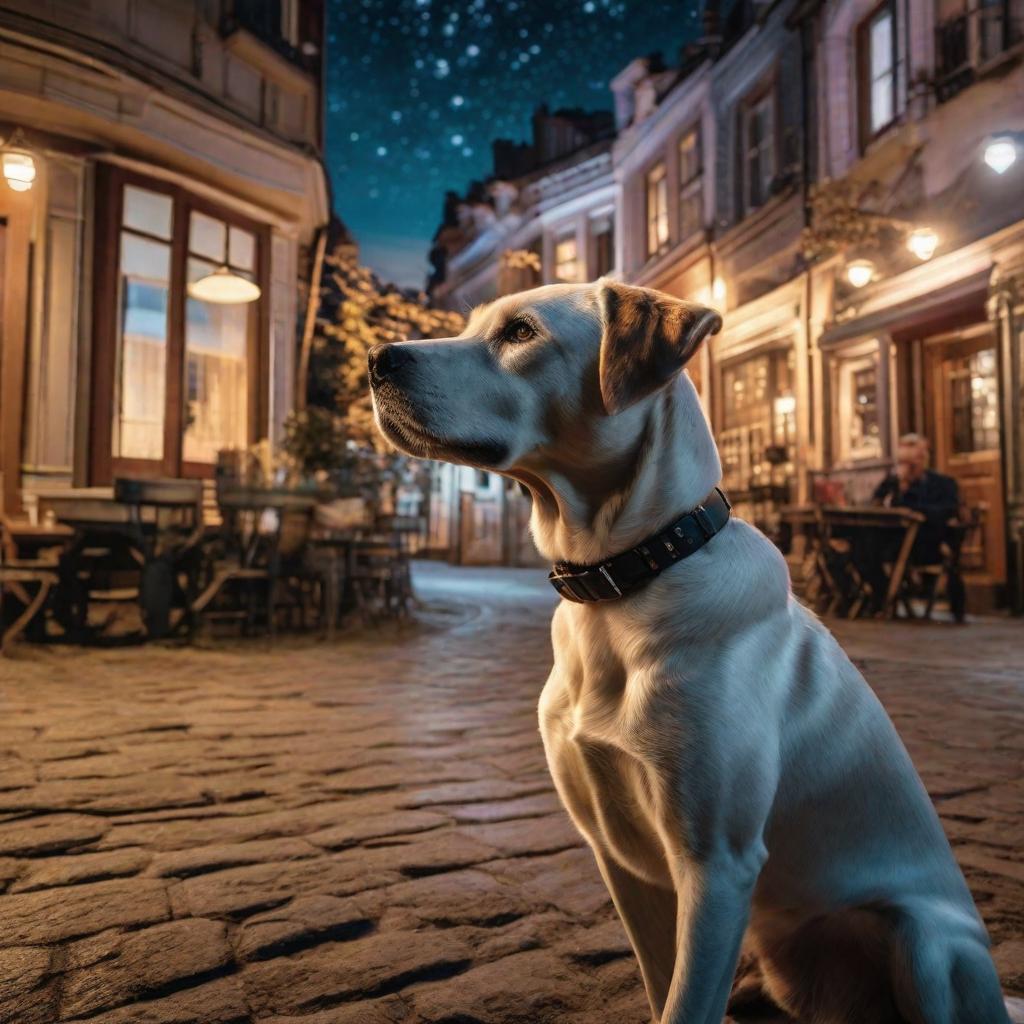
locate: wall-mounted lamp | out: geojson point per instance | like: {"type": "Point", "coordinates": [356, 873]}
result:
{"type": "Point", "coordinates": [1001, 153]}
{"type": "Point", "coordinates": [860, 272]}
{"type": "Point", "coordinates": [19, 168]}
{"type": "Point", "coordinates": [718, 290]}
{"type": "Point", "coordinates": [225, 288]}
{"type": "Point", "coordinates": [923, 242]}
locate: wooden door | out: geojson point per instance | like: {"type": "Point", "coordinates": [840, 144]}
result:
{"type": "Point", "coordinates": [962, 401]}
{"type": "Point", "coordinates": [480, 530]}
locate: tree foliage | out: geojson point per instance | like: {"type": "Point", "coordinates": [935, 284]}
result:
{"type": "Point", "coordinates": [841, 223]}
{"type": "Point", "coordinates": [356, 312]}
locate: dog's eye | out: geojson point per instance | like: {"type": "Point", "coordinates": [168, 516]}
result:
{"type": "Point", "coordinates": [521, 331]}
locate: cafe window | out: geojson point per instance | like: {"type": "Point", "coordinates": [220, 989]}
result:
{"type": "Point", "coordinates": [657, 211]}
{"type": "Point", "coordinates": [216, 342]}
{"type": "Point", "coordinates": [177, 375]}
{"type": "Point", "coordinates": [858, 428]}
{"type": "Point", "coordinates": [878, 72]}
{"type": "Point", "coordinates": [757, 435]}
{"type": "Point", "coordinates": [974, 401]}
{"type": "Point", "coordinates": [691, 192]}
{"type": "Point", "coordinates": [567, 264]}
{"type": "Point", "coordinates": [757, 128]}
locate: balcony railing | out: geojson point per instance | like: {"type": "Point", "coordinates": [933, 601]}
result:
{"type": "Point", "coordinates": [967, 43]}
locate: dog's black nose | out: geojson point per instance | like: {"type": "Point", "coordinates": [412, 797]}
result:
{"type": "Point", "coordinates": [386, 360]}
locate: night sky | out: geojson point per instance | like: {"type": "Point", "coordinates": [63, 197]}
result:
{"type": "Point", "coordinates": [417, 89]}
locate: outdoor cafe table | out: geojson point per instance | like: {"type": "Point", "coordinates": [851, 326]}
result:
{"type": "Point", "coordinates": [126, 530]}
{"type": "Point", "coordinates": [868, 528]}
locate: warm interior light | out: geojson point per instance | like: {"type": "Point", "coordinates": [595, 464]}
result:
{"type": "Point", "coordinates": [860, 272]}
{"type": "Point", "coordinates": [224, 286]}
{"type": "Point", "coordinates": [922, 242]}
{"type": "Point", "coordinates": [718, 290]}
{"type": "Point", "coordinates": [785, 405]}
{"type": "Point", "coordinates": [19, 170]}
{"type": "Point", "coordinates": [1001, 154]}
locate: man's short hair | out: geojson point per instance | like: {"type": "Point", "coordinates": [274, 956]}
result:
{"type": "Point", "coordinates": [918, 439]}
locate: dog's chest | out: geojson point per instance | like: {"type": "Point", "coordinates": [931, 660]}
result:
{"type": "Point", "coordinates": [609, 790]}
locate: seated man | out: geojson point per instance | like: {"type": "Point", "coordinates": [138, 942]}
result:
{"type": "Point", "coordinates": [935, 496]}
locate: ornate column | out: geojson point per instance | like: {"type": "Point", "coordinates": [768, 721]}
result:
{"type": "Point", "coordinates": [1006, 310]}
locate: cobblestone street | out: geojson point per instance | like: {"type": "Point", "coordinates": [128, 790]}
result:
{"type": "Point", "coordinates": [365, 833]}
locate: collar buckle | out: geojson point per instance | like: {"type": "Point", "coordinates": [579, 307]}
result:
{"type": "Point", "coordinates": [703, 520]}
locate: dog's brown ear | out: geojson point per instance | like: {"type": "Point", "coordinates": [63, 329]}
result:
{"type": "Point", "coordinates": [647, 338]}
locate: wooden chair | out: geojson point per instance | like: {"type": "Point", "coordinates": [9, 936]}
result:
{"type": "Point", "coordinates": [254, 571]}
{"type": "Point", "coordinates": [26, 583]}
{"type": "Point", "coordinates": [380, 578]}
{"type": "Point", "coordinates": [927, 582]}
{"type": "Point", "coordinates": [16, 578]}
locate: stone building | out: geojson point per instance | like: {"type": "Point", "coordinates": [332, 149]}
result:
{"type": "Point", "coordinates": [547, 214]}
{"type": "Point", "coordinates": [151, 150]}
{"type": "Point", "coordinates": [845, 180]}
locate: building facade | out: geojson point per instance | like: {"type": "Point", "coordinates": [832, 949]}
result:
{"type": "Point", "coordinates": [844, 179]}
{"type": "Point", "coordinates": [148, 146]}
{"type": "Point", "coordinates": [546, 215]}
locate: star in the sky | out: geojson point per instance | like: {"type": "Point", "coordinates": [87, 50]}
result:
{"type": "Point", "coordinates": [418, 89]}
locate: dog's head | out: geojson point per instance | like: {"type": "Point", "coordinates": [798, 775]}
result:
{"type": "Point", "coordinates": [534, 372]}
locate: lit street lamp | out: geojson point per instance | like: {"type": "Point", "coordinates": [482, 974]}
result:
{"type": "Point", "coordinates": [860, 272]}
{"type": "Point", "coordinates": [19, 169]}
{"type": "Point", "coordinates": [923, 242]}
{"type": "Point", "coordinates": [1001, 154]}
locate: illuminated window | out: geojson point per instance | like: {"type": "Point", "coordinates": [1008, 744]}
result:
{"type": "Point", "coordinates": [859, 433]}
{"type": "Point", "coordinates": [657, 211]}
{"type": "Point", "coordinates": [216, 343]}
{"type": "Point", "coordinates": [974, 401]}
{"type": "Point", "coordinates": [567, 265]}
{"type": "Point", "coordinates": [175, 374]}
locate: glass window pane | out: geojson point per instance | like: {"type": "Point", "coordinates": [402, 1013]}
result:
{"type": "Point", "coordinates": [881, 45]}
{"type": "Point", "coordinates": [688, 158]}
{"type": "Point", "coordinates": [881, 103]}
{"type": "Point", "coordinates": [208, 237]}
{"type": "Point", "coordinates": [216, 373]}
{"type": "Point", "coordinates": [566, 268]}
{"type": "Point", "coordinates": [147, 211]}
{"type": "Point", "coordinates": [141, 372]}
{"type": "Point", "coordinates": [242, 249]}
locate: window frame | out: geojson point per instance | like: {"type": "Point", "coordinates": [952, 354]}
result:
{"type": "Point", "coordinates": [111, 180]}
{"type": "Point", "coordinates": [864, 91]}
{"type": "Point", "coordinates": [595, 236]}
{"type": "Point", "coordinates": [845, 367]}
{"type": "Point", "coordinates": [765, 92]}
{"type": "Point", "coordinates": [661, 217]}
{"type": "Point", "coordinates": [566, 235]}
{"type": "Point", "coordinates": [694, 185]}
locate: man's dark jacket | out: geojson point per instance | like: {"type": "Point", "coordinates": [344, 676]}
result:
{"type": "Point", "coordinates": [934, 495]}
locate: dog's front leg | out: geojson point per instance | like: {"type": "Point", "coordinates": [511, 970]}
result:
{"type": "Point", "coordinates": [713, 901]}
{"type": "Point", "coordinates": [648, 914]}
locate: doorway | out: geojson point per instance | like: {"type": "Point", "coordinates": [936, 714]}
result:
{"type": "Point", "coordinates": [962, 418]}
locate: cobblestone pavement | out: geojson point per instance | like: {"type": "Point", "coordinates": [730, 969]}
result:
{"type": "Point", "coordinates": [365, 833]}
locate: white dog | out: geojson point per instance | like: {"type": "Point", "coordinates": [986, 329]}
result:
{"type": "Point", "coordinates": [741, 786]}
